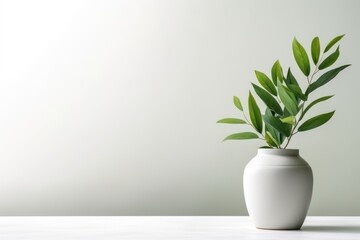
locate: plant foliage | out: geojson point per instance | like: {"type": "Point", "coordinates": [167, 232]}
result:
{"type": "Point", "coordinates": [285, 99]}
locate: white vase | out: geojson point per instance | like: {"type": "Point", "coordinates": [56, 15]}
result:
{"type": "Point", "coordinates": [278, 186]}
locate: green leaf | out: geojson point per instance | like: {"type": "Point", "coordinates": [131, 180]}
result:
{"type": "Point", "coordinates": [333, 42]}
{"type": "Point", "coordinates": [316, 121]}
{"type": "Point", "coordinates": [288, 120]}
{"type": "Point", "coordinates": [301, 105]}
{"type": "Point", "coordinates": [275, 133]}
{"type": "Point", "coordinates": [266, 82]}
{"type": "Point", "coordinates": [301, 57]}
{"type": "Point", "coordinates": [241, 136]}
{"type": "Point", "coordinates": [237, 103]}
{"type": "Point", "coordinates": [286, 112]}
{"type": "Point", "coordinates": [270, 139]}
{"type": "Point", "coordinates": [276, 72]}
{"type": "Point", "coordinates": [296, 90]}
{"type": "Point", "coordinates": [231, 121]}
{"type": "Point", "coordinates": [268, 111]}
{"type": "Point", "coordinates": [314, 103]}
{"type": "Point", "coordinates": [269, 100]}
{"type": "Point", "coordinates": [287, 100]}
{"type": "Point", "coordinates": [276, 123]}
{"type": "Point", "coordinates": [255, 114]}
{"type": "Point", "coordinates": [330, 59]}
{"type": "Point", "coordinates": [325, 78]}
{"type": "Point", "coordinates": [315, 49]}
{"type": "Point", "coordinates": [290, 79]}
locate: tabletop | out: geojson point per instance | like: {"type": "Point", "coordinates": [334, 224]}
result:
{"type": "Point", "coordinates": [151, 228]}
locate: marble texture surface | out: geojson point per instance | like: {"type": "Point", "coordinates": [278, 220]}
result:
{"type": "Point", "coordinates": [149, 228]}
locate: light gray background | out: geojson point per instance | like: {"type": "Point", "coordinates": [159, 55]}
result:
{"type": "Point", "coordinates": [109, 107]}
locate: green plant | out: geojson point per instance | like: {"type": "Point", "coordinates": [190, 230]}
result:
{"type": "Point", "coordinates": [286, 102]}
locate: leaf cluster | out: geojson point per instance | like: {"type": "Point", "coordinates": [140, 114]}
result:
{"type": "Point", "coordinates": [285, 100]}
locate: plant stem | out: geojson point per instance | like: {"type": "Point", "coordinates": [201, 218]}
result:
{"type": "Point", "coordinates": [316, 69]}
{"type": "Point", "coordinates": [293, 130]}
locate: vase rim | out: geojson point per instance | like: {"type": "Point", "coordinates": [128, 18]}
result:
{"type": "Point", "coordinates": [284, 152]}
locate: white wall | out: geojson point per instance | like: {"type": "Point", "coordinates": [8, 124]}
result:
{"type": "Point", "coordinates": [109, 107]}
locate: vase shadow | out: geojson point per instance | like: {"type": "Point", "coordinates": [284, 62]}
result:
{"type": "Point", "coordinates": [340, 229]}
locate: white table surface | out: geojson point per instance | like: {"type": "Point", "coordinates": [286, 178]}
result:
{"type": "Point", "coordinates": [140, 228]}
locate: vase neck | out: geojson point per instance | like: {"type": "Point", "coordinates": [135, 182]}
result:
{"type": "Point", "coordinates": [279, 152]}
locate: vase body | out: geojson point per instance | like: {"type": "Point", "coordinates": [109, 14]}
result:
{"type": "Point", "coordinates": [278, 187]}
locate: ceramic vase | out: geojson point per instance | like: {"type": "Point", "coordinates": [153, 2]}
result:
{"type": "Point", "coordinates": [278, 186]}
